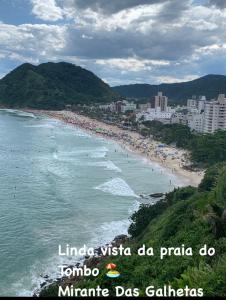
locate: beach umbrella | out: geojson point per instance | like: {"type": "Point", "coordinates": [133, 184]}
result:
{"type": "Point", "coordinates": [110, 266]}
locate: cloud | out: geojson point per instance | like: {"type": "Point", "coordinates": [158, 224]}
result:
{"type": "Point", "coordinates": [171, 79]}
{"type": "Point", "coordinates": [122, 41]}
{"type": "Point", "coordinates": [140, 33]}
{"type": "Point", "coordinates": [132, 64]}
{"type": "Point", "coordinates": [30, 42]}
{"type": "Point", "coordinates": [47, 10]}
{"type": "Point", "coordinates": [111, 6]}
{"type": "Point", "coordinates": [218, 3]}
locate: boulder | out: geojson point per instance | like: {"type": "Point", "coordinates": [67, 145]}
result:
{"type": "Point", "coordinates": [92, 262]}
{"type": "Point", "coordinates": [119, 240]}
{"type": "Point", "coordinates": [157, 195]}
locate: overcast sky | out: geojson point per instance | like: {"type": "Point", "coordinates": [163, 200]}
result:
{"type": "Point", "coordinates": [122, 41]}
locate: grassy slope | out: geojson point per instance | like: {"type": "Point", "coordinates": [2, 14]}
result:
{"type": "Point", "coordinates": [193, 219]}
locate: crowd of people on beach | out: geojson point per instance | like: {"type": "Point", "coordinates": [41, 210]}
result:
{"type": "Point", "coordinates": [171, 157]}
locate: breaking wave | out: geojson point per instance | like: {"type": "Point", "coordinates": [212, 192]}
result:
{"type": "Point", "coordinates": [117, 187]}
{"type": "Point", "coordinates": [108, 165]}
{"type": "Point", "coordinates": [19, 113]}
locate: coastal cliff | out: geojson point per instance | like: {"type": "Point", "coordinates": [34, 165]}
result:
{"type": "Point", "coordinates": [186, 217]}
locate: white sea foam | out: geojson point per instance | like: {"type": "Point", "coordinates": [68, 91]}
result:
{"type": "Point", "coordinates": [102, 235]}
{"type": "Point", "coordinates": [134, 207]}
{"type": "Point", "coordinates": [108, 231]}
{"type": "Point", "coordinates": [30, 284]}
{"type": "Point", "coordinates": [118, 187]}
{"type": "Point", "coordinates": [40, 126]}
{"type": "Point", "coordinates": [56, 171]}
{"type": "Point", "coordinates": [108, 165]}
{"type": "Point", "coordinates": [176, 180]}
{"type": "Point", "coordinates": [20, 113]}
{"type": "Point", "coordinates": [71, 130]}
{"type": "Point", "coordinates": [80, 133]}
{"type": "Point", "coordinates": [55, 156]}
{"type": "Point", "coordinates": [99, 152]}
{"type": "Point", "coordinates": [26, 114]}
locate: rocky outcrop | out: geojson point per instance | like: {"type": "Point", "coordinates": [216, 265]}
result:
{"type": "Point", "coordinates": [89, 262]}
{"type": "Point", "coordinates": [157, 195]}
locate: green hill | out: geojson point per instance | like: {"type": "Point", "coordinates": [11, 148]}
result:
{"type": "Point", "coordinates": [52, 86]}
{"type": "Point", "coordinates": [188, 216]}
{"type": "Point", "coordinates": [210, 86]}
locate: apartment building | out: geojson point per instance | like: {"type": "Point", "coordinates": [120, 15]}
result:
{"type": "Point", "coordinates": [161, 102]}
{"type": "Point", "coordinates": [195, 121]}
{"type": "Point", "coordinates": [215, 115]}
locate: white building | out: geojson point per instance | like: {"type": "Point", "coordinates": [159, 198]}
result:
{"type": "Point", "coordinates": [162, 112]}
{"type": "Point", "coordinates": [195, 121]}
{"type": "Point", "coordinates": [179, 118]}
{"type": "Point", "coordinates": [128, 106]}
{"type": "Point", "coordinates": [191, 104]}
{"type": "Point", "coordinates": [156, 114]}
{"type": "Point", "coordinates": [196, 105]}
{"type": "Point", "coordinates": [161, 102]}
{"type": "Point", "coordinates": [119, 106]}
{"type": "Point", "coordinates": [215, 115]}
{"type": "Point", "coordinates": [144, 106]}
{"type": "Point", "coordinates": [106, 107]}
{"type": "Point", "coordinates": [201, 103]}
{"type": "Point", "coordinates": [195, 116]}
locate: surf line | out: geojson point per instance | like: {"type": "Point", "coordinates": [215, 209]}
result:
{"type": "Point", "coordinates": [67, 250]}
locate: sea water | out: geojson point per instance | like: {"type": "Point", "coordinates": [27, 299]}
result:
{"type": "Point", "coordinates": [62, 185]}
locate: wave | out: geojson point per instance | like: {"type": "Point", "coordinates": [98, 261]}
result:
{"type": "Point", "coordinates": [108, 231]}
{"type": "Point", "coordinates": [99, 152]}
{"type": "Point", "coordinates": [176, 180]}
{"type": "Point", "coordinates": [102, 235]}
{"type": "Point", "coordinates": [117, 187]}
{"type": "Point", "coordinates": [28, 285]}
{"type": "Point", "coordinates": [31, 283]}
{"type": "Point", "coordinates": [109, 165]}
{"type": "Point", "coordinates": [19, 113]}
{"type": "Point", "coordinates": [41, 126]}
{"type": "Point", "coordinates": [92, 153]}
{"type": "Point", "coordinates": [72, 130]}
{"type": "Point", "coordinates": [56, 172]}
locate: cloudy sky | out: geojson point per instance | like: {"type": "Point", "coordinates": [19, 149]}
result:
{"type": "Point", "coordinates": [122, 41]}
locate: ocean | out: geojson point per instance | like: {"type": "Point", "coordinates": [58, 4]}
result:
{"type": "Point", "coordinates": [62, 185]}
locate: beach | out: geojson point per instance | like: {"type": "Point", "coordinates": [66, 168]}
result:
{"type": "Point", "coordinates": [169, 157]}
{"type": "Point", "coordinates": [65, 185]}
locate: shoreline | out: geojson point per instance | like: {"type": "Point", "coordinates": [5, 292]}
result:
{"type": "Point", "coordinates": [168, 157]}
{"type": "Point", "coordinates": [128, 140]}
{"type": "Point", "coordinates": [86, 261]}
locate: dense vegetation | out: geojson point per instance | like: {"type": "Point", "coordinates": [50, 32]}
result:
{"type": "Point", "coordinates": [205, 149]}
{"type": "Point", "coordinates": [189, 216]}
{"type": "Point", "coordinates": [210, 86]}
{"type": "Point", "coordinates": [52, 86]}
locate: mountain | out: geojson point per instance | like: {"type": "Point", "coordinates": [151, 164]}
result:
{"type": "Point", "coordinates": [210, 86]}
{"type": "Point", "coordinates": [52, 86]}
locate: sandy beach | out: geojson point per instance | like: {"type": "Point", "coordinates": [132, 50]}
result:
{"type": "Point", "coordinates": [171, 158]}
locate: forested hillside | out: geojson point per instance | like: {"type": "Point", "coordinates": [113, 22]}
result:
{"type": "Point", "coordinates": [52, 86]}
